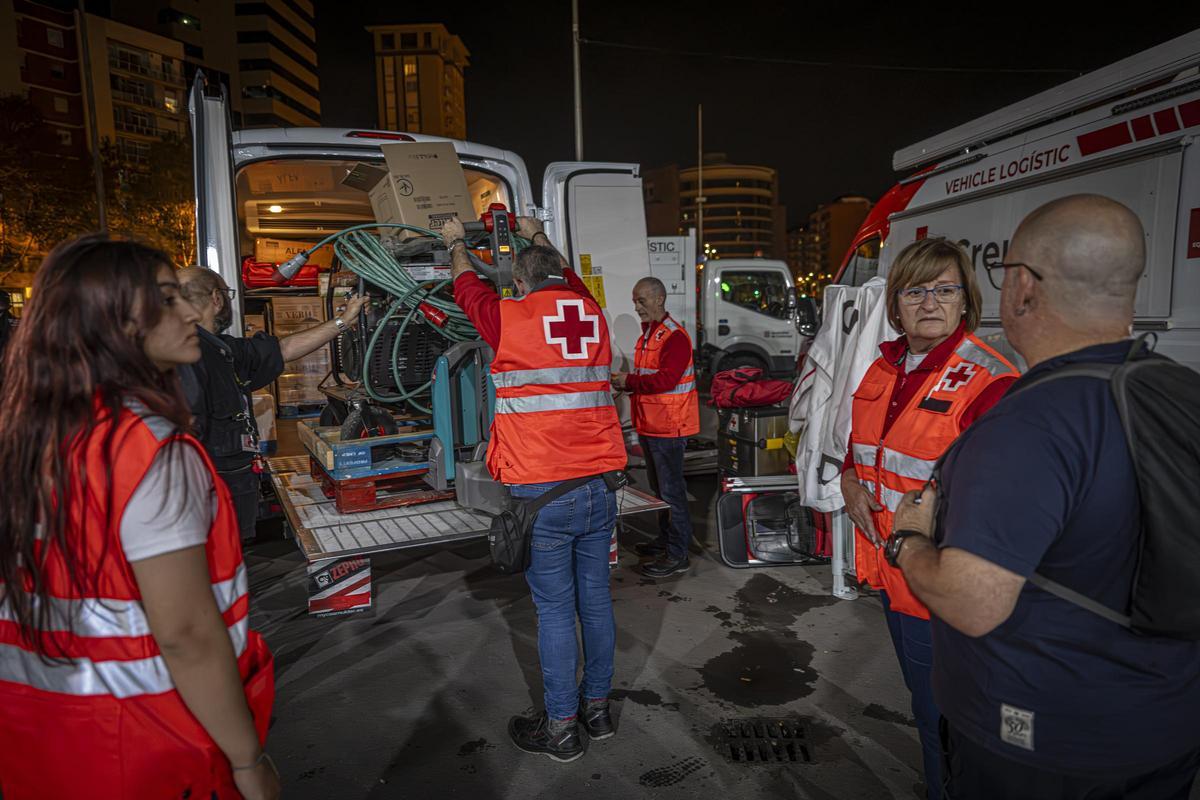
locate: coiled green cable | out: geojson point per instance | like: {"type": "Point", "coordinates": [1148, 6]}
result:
{"type": "Point", "coordinates": [366, 256]}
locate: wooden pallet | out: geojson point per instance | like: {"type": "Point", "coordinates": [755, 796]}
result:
{"type": "Point", "coordinates": [371, 492]}
{"type": "Point", "coordinates": [352, 459]}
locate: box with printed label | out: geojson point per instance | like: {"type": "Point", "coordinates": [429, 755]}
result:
{"type": "Point", "coordinates": [253, 323]}
{"type": "Point", "coordinates": [264, 414]}
{"type": "Point", "coordinates": [424, 186]}
{"type": "Point", "coordinates": [277, 251]}
{"type": "Point", "coordinates": [289, 176]}
{"type": "Point", "coordinates": [301, 378]}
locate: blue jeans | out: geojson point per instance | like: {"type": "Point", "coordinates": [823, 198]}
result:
{"type": "Point", "coordinates": [568, 574]}
{"type": "Point", "coordinates": [664, 467]}
{"type": "Point", "coordinates": [914, 649]}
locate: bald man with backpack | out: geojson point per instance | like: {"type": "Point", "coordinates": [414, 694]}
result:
{"type": "Point", "coordinates": [1058, 545]}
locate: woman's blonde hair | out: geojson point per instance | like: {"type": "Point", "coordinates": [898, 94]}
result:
{"type": "Point", "coordinates": [921, 262]}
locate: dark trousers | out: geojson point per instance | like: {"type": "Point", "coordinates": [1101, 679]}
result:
{"type": "Point", "coordinates": [243, 485]}
{"type": "Point", "coordinates": [974, 772]}
{"type": "Point", "coordinates": [914, 649]}
{"type": "Point", "coordinates": [664, 467]}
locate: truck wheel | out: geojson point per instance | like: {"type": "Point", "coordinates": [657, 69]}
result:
{"type": "Point", "coordinates": [740, 359]}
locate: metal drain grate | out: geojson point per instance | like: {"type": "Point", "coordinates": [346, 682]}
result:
{"type": "Point", "coordinates": [762, 740]}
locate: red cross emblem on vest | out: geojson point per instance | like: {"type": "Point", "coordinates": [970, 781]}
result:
{"type": "Point", "coordinates": [572, 330]}
{"type": "Point", "coordinates": [953, 379]}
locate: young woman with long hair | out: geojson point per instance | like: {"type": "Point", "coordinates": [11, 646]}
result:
{"type": "Point", "coordinates": [127, 668]}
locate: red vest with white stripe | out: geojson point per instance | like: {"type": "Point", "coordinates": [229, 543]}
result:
{"type": "Point", "coordinates": [109, 723]}
{"type": "Point", "coordinates": [555, 419]}
{"type": "Point", "coordinates": [675, 412]}
{"type": "Point", "coordinates": [902, 461]}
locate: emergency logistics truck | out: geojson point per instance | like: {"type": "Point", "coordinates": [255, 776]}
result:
{"type": "Point", "coordinates": [1127, 131]}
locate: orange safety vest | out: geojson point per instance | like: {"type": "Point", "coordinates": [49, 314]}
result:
{"type": "Point", "coordinates": [109, 724]}
{"type": "Point", "coordinates": [902, 461]}
{"type": "Point", "coordinates": [675, 412]}
{"type": "Point", "coordinates": [555, 419]}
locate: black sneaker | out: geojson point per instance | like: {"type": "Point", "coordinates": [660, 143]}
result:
{"type": "Point", "coordinates": [595, 719]}
{"type": "Point", "coordinates": [665, 566]}
{"type": "Point", "coordinates": [539, 735]}
{"type": "Point", "coordinates": [650, 549]}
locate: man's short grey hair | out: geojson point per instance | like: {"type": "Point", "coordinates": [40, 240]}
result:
{"type": "Point", "coordinates": [537, 263]}
{"type": "Point", "coordinates": [657, 288]}
{"type": "Point", "coordinates": [198, 282]}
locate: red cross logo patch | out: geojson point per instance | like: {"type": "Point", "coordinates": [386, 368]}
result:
{"type": "Point", "coordinates": [572, 330]}
{"type": "Point", "coordinates": [954, 379]}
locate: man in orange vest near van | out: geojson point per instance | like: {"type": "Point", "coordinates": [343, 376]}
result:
{"type": "Point", "coordinates": [555, 421]}
{"type": "Point", "coordinates": [665, 411]}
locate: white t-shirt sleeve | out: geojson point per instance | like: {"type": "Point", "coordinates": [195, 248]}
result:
{"type": "Point", "coordinates": [173, 506]}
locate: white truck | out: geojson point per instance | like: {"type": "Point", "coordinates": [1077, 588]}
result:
{"type": "Point", "coordinates": [750, 317]}
{"type": "Point", "coordinates": [296, 185]}
{"type": "Point", "coordinates": [1127, 131]}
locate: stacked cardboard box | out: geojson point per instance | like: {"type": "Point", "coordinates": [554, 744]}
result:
{"type": "Point", "coordinates": [252, 324]}
{"type": "Point", "coordinates": [264, 415]}
{"type": "Point", "coordinates": [300, 379]}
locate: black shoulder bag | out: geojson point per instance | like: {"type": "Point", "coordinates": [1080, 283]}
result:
{"type": "Point", "coordinates": [511, 534]}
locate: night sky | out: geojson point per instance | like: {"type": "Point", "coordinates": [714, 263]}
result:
{"type": "Point", "coordinates": [829, 131]}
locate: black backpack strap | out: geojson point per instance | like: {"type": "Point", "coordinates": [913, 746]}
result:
{"type": "Point", "coordinates": [1081, 600]}
{"type": "Point", "coordinates": [1102, 372]}
{"type": "Point", "coordinates": [534, 506]}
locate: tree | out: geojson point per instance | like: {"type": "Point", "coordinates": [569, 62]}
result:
{"type": "Point", "coordinates": [44, 198]}
{"type": "Point", "coordinates": [153, 200]}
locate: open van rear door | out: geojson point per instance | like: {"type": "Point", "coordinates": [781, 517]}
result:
{"type": "Point", "coordinates": [212, 163]}
{"type": "Point", "coordinates": [598, 219]}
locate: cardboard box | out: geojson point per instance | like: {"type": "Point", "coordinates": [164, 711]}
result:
{"type": "Point", "coordinates": [296, 388]}
{"type": "Point", "coordinates": [290, 176]}
{"type": "Point", "coordinates": [253, 323]}
{"type": "Point", "coordinates": [264, 415]}
{"type": "Point", "coordinates": [301, 378]}
{"type": "Point", "coordinates": [424, 186]}
{"type": "Point", "coordinates": [277, 251]}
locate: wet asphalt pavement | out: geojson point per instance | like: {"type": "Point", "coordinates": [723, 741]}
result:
{"type": "Point", "coordinates": [413, 700]}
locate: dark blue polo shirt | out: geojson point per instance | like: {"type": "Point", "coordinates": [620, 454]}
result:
{"type": "Point", "coordinates": [1044, 481]}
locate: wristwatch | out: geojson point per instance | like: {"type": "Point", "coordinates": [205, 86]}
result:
{"type": "Point", "coordinates": [340, 324]}
{"type": "Point", "coordinates": [891, 550]}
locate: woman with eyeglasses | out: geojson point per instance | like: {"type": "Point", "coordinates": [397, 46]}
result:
{"type": "Point", "coordinates": [924, 389]}
{"type": "Point", "coordinates": [127, 665]}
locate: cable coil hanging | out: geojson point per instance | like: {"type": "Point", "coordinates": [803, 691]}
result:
{"type": "Point", "coordinates": [363, 254]}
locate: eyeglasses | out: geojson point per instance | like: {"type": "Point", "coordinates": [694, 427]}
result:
{"type": "Point", "coordinates": [991, 271]}
{"type": "Point", "coordinates": [230, 293]}
{"type": "Point", "coordinates": [945, 294]}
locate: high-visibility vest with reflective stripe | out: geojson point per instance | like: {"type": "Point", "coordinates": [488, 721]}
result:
{"type": "Point", "coordinates": [108, 722]}
{"type": "Point", "coordinates": [555, 419]}
{"type": "Point", "coordinates": [902, 461]}
{"type": "Point", "coordinates": [675, 412]}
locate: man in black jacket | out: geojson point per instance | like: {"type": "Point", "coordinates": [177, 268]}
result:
{"type": "Point", "coordinates": [218, 386]}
